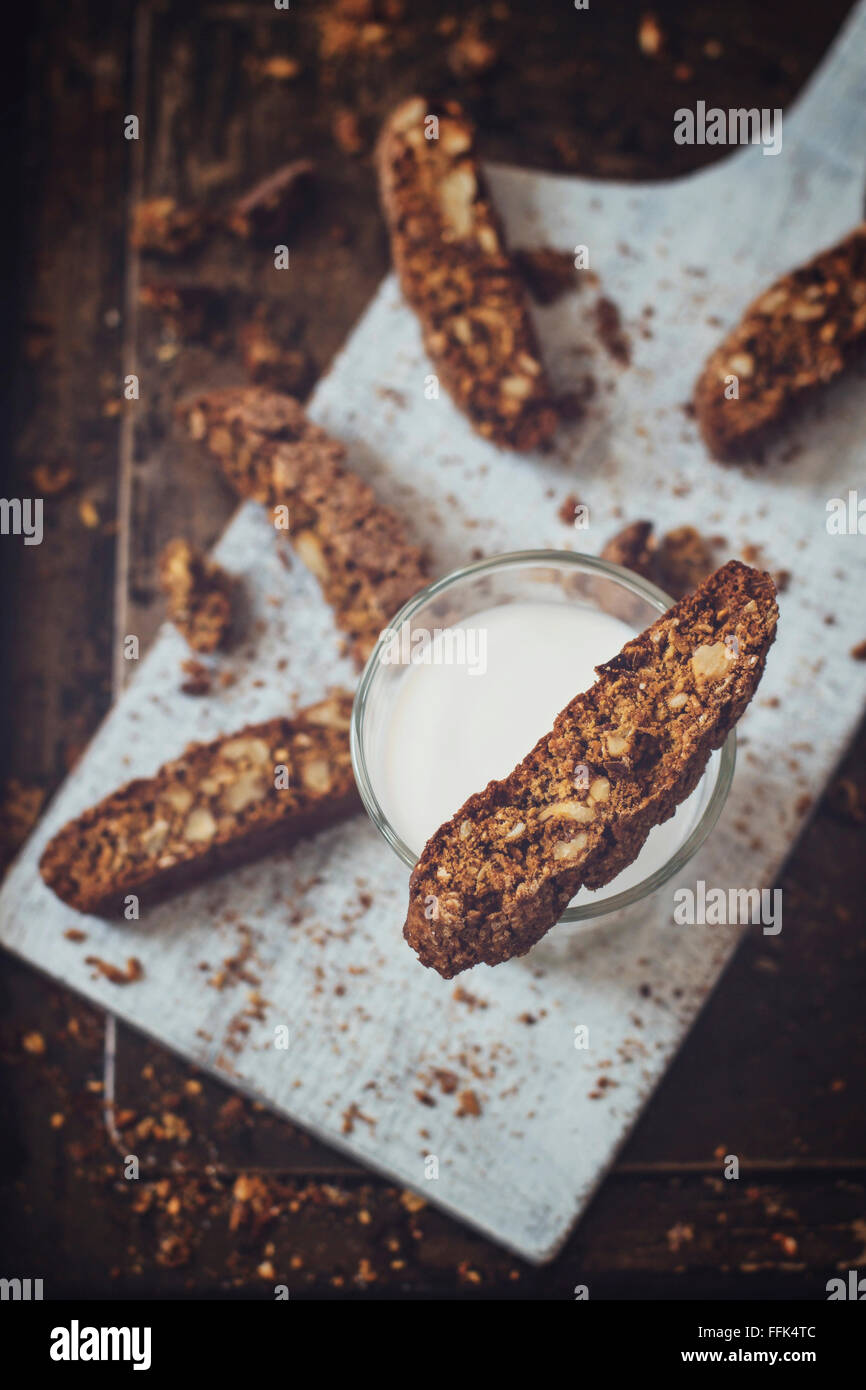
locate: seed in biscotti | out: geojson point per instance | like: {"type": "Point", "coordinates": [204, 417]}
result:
{"type": "Point", "coordinates": [568, 849]}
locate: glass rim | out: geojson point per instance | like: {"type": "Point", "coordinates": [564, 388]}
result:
{"type": "Point", "coordinates": [516, 559]}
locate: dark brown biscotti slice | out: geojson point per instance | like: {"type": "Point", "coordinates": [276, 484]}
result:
{"type": "Point", "coordinates": [798, 335]}
{"type": "Point", "coordinates": [620, 759]}
{"type": "Point", "coordinates": [356, 547]}
{"type": "Point", "coordinates": [219, 804]}
{"type": "Point", "coordinates": [198, 594]}
{"type": "Point", "coordinates": [450, 254]}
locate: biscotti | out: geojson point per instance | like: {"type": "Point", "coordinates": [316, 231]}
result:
{"type": "Point", "coordinates": [450, 255]}
{"type": "Point", "coordinates": [620, 759]}
{"type": "Point", "coordinates": [798, 335]}
{"type": "Point", "coordinates": [357, 548]}
{"type": "Point", "coordinates": [219, 804]}
{"type": "Point", "coordinates": [198, 593]}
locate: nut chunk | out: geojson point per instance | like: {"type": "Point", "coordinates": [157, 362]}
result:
{"type": "Point", "coordinates": [219, 804]}
{"type": "Point", "coordinates": [456, 273]}
{"type": "Point", "coordinates": [500, 873]}
{"type": "Point", "coordinates": [798, 335]}
{"type": "Point", "coordinates": [164, 229]}
{"type": "Point", "coordinates": [198, 593]}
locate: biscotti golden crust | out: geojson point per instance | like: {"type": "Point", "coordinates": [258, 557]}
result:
{"type": "Point", "coordinates": [356, 547]}
{"type": "Point", "coordinates": [798, 335]}
{"type": "Point", "coordinates": [198, 594]}
{"type": "Point", "coordinates": [619, 760]}
{"type": "Point", "coordinates": [219, 804]}
{"type": "Point", "coordinates": [455, 271]}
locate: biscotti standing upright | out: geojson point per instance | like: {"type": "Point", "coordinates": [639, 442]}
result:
{"type": "Point", "coordinates": [619, 760]}
{"type": "Point", "coordinates": [219, 804]}
{"type": "Point", "coordinates": [797, 336]}
{"type": "Point", "coordinates": [356, 547]}
{"type": "Point", "coordinates": [455, 271]}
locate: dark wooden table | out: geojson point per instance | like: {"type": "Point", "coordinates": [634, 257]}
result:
{"type": "Point", "coordinates": [774, 1070]}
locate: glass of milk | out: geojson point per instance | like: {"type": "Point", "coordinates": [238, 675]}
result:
{"type": "Point", "coordinates": [474, 670]}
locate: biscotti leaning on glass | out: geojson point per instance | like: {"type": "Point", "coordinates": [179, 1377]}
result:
{"type": "Point", "coordinates": [357, 547]}
{"type": "Point", "coordinates": [454, 268]}
{"type": "Point", "coordinates": [499, 874]}
{"type": "Point", "coordinates": [219, 804]}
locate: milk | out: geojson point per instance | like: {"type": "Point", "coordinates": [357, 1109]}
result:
{"type": "Point", "coordinates": [468, 705]}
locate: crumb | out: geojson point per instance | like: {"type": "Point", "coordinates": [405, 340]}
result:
{"type": "Point", "coordinates": [752, 554]}
{"type": "Point", "coordinates": [269, 364]}
{"type": "Point", "coordinates": [350, 1115]}
{"type": "Point", "coordinates": [610, 331]}
{"type": "Point", "coordinates": [88, 514]}
{"type": "Point", "coordinates": [51, 479]}
{"type": "Point", "coordinates": [113, 973]}
{"type": "Point", "coordinates": [566, 512]}
{"type": "Point", "coordinates": [412, 1202]}
{"type": "Point", "coordinates": [468, 1104]}
{"type": "Point", "coordinates": [462, 996]}
{"type": "Point", "coordinates": [846, 801]}
{"type": "Point", "coordinates": [198, 678]}
{"type": "Point", "coordinates": [162, 228]}
{"type": "Point", "coordinates": [471, 55]}
{"type": "Point", "coordinates": [279, 67]}
{"type": "Point", "coordinates": [548, 274]}
{"type": "Point", "coordinates": [198, 596]}
{"type": "Point", "coordinates": [650, 37]}
{"type": "Point", "coordinates": [680, 1234]}
{"type": "Point", "coordinates": [346, 129]}
{"type": "Point", "coordinates": [447, 1080]}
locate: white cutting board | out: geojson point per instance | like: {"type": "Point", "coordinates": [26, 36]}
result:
{"type": "Point", "coordinates": [367, 1024]}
